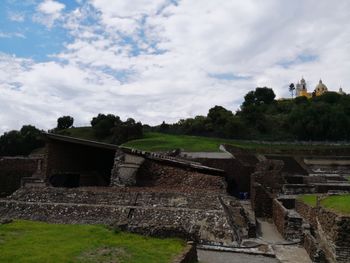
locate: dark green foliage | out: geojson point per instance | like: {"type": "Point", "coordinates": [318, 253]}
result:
{"type": "Point", "coordinates": [259, 96]}
{"type": "Point", "coordinates": [21, 142]}
{"type": "Point", "coordinates": [64, 122]}
{"type": "Point", "coordinates": [326, 117]}
{"type": "Point", "coordinates": [110, 126]}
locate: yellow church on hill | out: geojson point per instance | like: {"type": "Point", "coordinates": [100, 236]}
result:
{"type": "Point", "coordinates": [301, 89]}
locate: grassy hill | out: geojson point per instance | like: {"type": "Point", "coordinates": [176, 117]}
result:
{"type": "Point", "coordinates": [153, 141]}
{"type": "Point", "coordinates": [28, 241]}
{"type": "Point", "coordinates": [166, 142]}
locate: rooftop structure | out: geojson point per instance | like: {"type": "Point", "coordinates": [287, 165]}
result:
{"type": "Point", "coordinates": [320, 89]}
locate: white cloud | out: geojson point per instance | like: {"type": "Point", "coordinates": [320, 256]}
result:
{"type": "Point", "coordinates": [157, 60]}
{"type": "Point", "coordinates": [17, 17]}
{"type": "Point", "coordinates": [51, 7]}
{"type": "Point", "coordinates": [48, 12]}
{"type": "Point", "coordinates": [11, 35]}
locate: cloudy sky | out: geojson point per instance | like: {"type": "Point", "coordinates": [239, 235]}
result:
{"type": "Point", "coordinates": [157, 60]}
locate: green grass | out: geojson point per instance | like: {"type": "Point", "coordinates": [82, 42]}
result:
{"type": "Point", "coordinates": [28, 241]}
{"type": "Point", "coordinates": [338, 203]}
{"type": "Point", "coordinates": [311, 200]}
{"type": "Point", "coordinates": [165, 142]}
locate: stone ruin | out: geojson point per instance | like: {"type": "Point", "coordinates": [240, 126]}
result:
{"type": "Point", "coordinates": [79, 181]}
{"type": "Point", "coordinates": [194, 196]}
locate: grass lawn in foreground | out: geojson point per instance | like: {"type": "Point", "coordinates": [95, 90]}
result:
{"type": "Point", "coordinates": [337, 203]}
{"type": "Point", "coordinates": [28, 241]}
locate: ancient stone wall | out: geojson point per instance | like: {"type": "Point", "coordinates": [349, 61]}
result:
{"type": "Point", "coordinates": [288, 222]}
{"type": "Point", "coordinates": [313, 248]}
{"type": "Point", "coordinates": [266, 183]}
{"type": "Point", "coordinates": [268, 174]}
{"type": "Point", "coordinates": [12, 169]}
{"type": "Point", "coordinates": [156, 174]}
{"type": "Point", "coordinates": [237, 174]}
{"type": "Point", "coordinates": [261, 201]}
{"type": "Point", "coordinates": [308, 212]}
{"type": "Point", "coordinates": [331, 239]}
{"type": "Point", "coordinates": [291, 166]}
{"type": "Point", "coordinates": [195, 216]}
{"type": "Point", "coordinates": [334, 231]}
{"type": "Point", "coordinates": [93, 164]}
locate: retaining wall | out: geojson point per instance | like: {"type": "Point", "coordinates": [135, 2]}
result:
{"type": "Point", "coordinates": [12, 169]}
{"type": "Point", "coordinates": [288, 222]}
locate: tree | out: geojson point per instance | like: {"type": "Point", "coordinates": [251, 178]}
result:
{"type": "Point", "coordinates": [291, 89]}
{"type": "Point", "coordinates": [21, 142]}
{"type": "Point", "coordinates": [264, 95]}
{"type": "Point", "coordinates": [258, 97]}
{"type": "Point", "coordinates": [219, 115]}
{"type": "Point", "coordinates": [103, 124]}
{"type": "Point", "coordinates": [64, 122]}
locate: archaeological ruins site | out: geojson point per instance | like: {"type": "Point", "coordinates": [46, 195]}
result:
{"type": "Point", "coordinates": [235, 200]}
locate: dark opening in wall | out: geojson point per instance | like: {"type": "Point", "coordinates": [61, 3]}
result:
{"type": "Point", "coordinates": [65, 180]}
{"type": "Point", "coordinates": [73, 164]}
{"type": "Point", "coordinates": [294, 179]}
{"type": "Point", "coordinates": [288, 203]}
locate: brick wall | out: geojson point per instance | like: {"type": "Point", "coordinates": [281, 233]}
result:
{"type": "Point", "coordinates": [288, 222]}
{"type": "Point", "coordinates": [237, 174]}
{"type": "Point", "coordinates": [12, 169]}
{"type": "Point", "coordinates": [261, 201]}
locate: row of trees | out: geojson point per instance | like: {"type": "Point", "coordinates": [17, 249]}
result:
{"type": "Point", "coordinates": [112, 127]}
{"type": "Point", "coordinates": [260, 116]}
{"type": "Point", "coordinates": [21, 142]}
{"type": "Point", "coordinates": [108, 128]}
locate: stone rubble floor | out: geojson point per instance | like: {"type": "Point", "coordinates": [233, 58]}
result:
{"type": "Point", "coordinates": [208, 256]}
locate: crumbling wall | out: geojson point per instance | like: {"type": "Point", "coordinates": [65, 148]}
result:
{"type": "Point", "coordinates": [287, 221]}
{"type": "Point", "coordinates": [331, 239]}
{"type": "Point", "coordinates": [12, 169]}
{"type": "Point", "coordinates": [266, 183]}
{"type": "Point", "coordinates": [93, 165]}
{"type": "Point", "coordinates": [261, 200]}
{"type": "Point", "coordinates": [313, 248]}
{"type": "Point", "coordinates": [156, 174]}
{"type": "Point", "coordinates": [308, 212]}
{"type": "Point", "coordinates": [195, 216]}
{"type": "Point", "coordinates": [334, 233]}
{"type": "Point", "coordinates": [237, 174]}
{"type": "Point", "coordinates": [125, 169]}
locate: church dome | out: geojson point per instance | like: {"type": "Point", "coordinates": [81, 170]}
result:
{"type": "Point", "coordinates": [321, 87]}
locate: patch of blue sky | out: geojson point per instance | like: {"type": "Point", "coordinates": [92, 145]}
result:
{"type": "Point", "coordinates": [123, 76]}
{"type": "Point", "coordinates": [28, 38]}
{"type": "Point", "coordinates": [300, 59]}
{"type": "Point", "coordinates": [228, 76]}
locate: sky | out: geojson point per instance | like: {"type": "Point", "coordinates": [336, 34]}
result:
{"type": "Point", "coordinates": [155, 60]}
